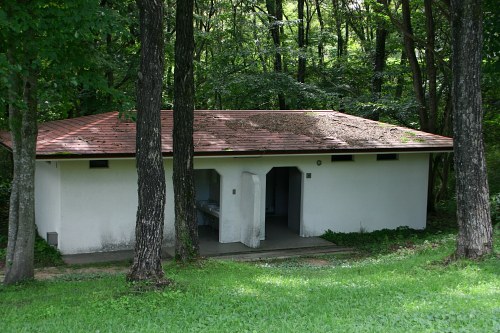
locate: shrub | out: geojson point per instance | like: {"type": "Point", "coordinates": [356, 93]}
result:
{"type": "Point", "coordinates": [3, 253]}
{"type": "Point", "coordinates": [382, 241]}
{"type": "Point", "coordinates": [495, 208]}
{"type": "Point", "coordinates": [45, 254]}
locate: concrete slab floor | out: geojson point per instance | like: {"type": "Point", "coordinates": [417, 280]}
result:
{"type": "Point", "coordinates": [280, 242]}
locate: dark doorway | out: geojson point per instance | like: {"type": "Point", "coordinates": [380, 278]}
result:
{"type": "Point", "coordinates": [207, 187]}
{"type": "Point", "coordinates": [283, 201]}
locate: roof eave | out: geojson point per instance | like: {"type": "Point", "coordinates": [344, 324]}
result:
{"type": "Point", "coordinates": [229, 153]}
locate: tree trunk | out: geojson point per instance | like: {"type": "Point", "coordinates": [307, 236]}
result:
{"type": "Point", "coordinates": [346, 40]}
{"type": "Point", "coordinates": [379, 58]}
{"type": "Point", "coordinates": [186, 228]}
{"type": "Point", "coordinates": [321, 51]}
{"type": "Point", "coordinates": [150, 170]}
{"type": "Point", "coordinates": [431, 66]}
{"type": "Point", "coordinates": [431, 184]}
{"type": "Point", "coordinates": [432, 97]}
{"type": "Point", "coordinates": [279, 19]}
{"type": "Point", "coordinates": [338, 28]}
{"type": "Point", "coordinates": [257, 41]}
{"type": "Point", "coordinates": [401, 78]}
{"type": "Point", "coordinates": [414, 65]}
{"type": "Point", "coordinates": [378, 62]}
{"type": "Point", "coordinates": [23, 126]}
{"type": "Point", "coordinates": [301, 71]}
{"type": "Point", "coordinates": [274, 10]}
{"type": "Point", "coordinates": [473, 212]}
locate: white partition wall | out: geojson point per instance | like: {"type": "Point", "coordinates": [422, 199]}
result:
{"type": "Point", "coordinates": [250, 209]}
{"type": "Point", "coordinates": [48, 197]}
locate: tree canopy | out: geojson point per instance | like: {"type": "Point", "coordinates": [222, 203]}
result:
{"type": "Point", "coordinates": [380, 59]}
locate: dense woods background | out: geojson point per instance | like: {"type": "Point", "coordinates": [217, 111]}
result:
{"type": "Point", "coordinates": [381, 59]}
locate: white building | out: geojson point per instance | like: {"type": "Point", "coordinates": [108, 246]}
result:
{"type": "Point", "coordinates": [308, 170]}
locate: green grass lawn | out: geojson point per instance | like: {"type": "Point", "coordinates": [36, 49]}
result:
{"type": "Point", "coordinates": [409, 290]}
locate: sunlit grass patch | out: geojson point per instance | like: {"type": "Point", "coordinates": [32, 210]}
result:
{"type": "Point", "coordinates": [407, 290]}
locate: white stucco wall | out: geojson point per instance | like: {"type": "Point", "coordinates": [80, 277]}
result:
{"type": "Point", "coordinates": [48, 197]}
{"type": "Point", "coordinates": [343, 196]}
{"type": "Point", "coordinates": [98, 206]}
{"type": "Point", "coordinates": [366, 194]}
{"type": "Point", "coordinates": [250, 210]}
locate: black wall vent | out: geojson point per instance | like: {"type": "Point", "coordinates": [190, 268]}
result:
{"type": "Point", "coordinates": [97, 164]}
{"type": "Point", "coordinates": [387, 157]}
{"type": "Point", "coordinates": [342, 158]}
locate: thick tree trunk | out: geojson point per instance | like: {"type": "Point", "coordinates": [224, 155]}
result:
{"type": "Point", "coordinates": [274, 10]}
{"type": "Point", "coordinates": [23, 126]}
{"type": "Point", "coordinates": [301, 71]}
{"type": "Point", "coordinates": [186, 229]}
{"type": "Point", "coordinates": [473, 211]}
{"type": "Point", "coordinates": [150, 170]}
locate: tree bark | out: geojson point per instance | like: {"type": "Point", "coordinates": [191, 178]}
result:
{"type": "Point", "coordinates": [401, 78]}
{"type": "Point", "coordinates": [338, 28]}
{"type": "Point", "coordinates": [150, 171]}
{"type": "Point", "coordinates": [186, 228]}
{"type": "Point", "coordinates": [24, 130]}
{"type": "Point", "coordinates": [473, 212]}
{"type": "Point", "coordinates": [379, 58]}
{"type": "Point", "coordinates": [301, 71]}
{"type": "Point", "coordinates": [346, 40]}
{"type": "Point", "coordinates": [321, 51]}
{"type": "Point", "coordinates": [414, 65]}
{"type": "Point", "coordinates": [430, 65]}
{"type": "Point", "coordinates": [432, 96]}
{"type": "Point", "coordinates": [274, 10]}
{"type": "Point", "coordinates": [378, 62]}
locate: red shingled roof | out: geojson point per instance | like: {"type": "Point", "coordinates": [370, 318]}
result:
{"type": "Point", "coordinates": [235, 133]}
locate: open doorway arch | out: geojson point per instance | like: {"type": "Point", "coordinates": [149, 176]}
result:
{"type": "Point", "coordinates": [208, 203]}
{"type": "Point", "coordinates": [283, 202]}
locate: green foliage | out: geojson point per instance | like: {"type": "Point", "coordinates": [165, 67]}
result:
{"type": "Point", "coordinates": [84, 54]}
{"type": "Point", "coordinates": [4, 212]}
{"type": "Point", "coordinates": [3, 253]}
{"type": "Point", "coordinates": [493, 157]}
{"type": "Point", "coordinates": [495, 209]}
{"type": "Point", "coordinates": [259, 91]}
{"type": "Point", "coordinates": [4, 192]}
{"type": "Point", "coordinates": [3, 250]}
{"type": "Point", "coordinates": [380, 241]}
{"type": "Point", "coordinates": [46, 255]}
{"type": "Point", "coordinates": [408, 290]}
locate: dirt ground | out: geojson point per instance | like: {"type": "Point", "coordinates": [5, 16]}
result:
{"type": "Point", "coordinates": [48, 273]}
